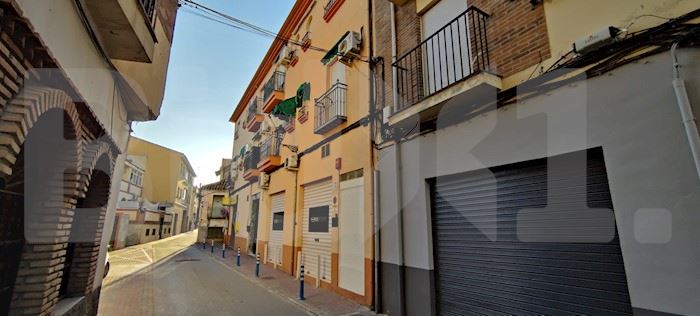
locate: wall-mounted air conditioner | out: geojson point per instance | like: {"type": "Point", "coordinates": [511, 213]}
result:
{"type": "Point", "coordinates": [264, 180]}
{"type": "Point", "coordinates": [349, 47]}
{"type": "Point", "coordinates": [292, 162]}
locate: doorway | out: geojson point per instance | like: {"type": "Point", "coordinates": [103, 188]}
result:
{"type": "Point", "coordinates": [253, 226]}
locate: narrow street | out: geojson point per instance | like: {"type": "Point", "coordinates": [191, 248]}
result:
{"type": "Point", "coordinates": [186, 283]}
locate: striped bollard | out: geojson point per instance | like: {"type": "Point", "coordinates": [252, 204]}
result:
{"type": "Point", "coordinates": [223, 250]}
{"type": "Point", "coordinates": [212, 246]}
{"type": "Point", "coordinates": [238, 257]}
{"type": "Point", "coordinates": [257, 265]}
{"type": "Point", "coordinates": [301, 283]}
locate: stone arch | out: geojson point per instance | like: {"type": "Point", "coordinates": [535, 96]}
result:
{"type": "Point", "coordinates": [40, 149]}
{"type": "Point", "coordinates": [23, 111]}
{"type": "Point", "coordinates": [88, 223]}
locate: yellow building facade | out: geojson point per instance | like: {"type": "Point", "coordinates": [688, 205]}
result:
{"type": "Point", "coordinates": [302, 147]}
{"type": "Point", "coordinates": [168, 180]}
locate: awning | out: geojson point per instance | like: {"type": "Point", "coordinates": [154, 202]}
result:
{"type": "Point", "coordinates": [287, 107]}
{"type": "Point", "coordinates": [334, 50]}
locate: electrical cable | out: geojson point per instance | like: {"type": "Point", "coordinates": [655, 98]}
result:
{"type": "Point", "coordinates": [252, 28]}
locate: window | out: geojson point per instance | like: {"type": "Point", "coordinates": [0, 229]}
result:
{"type": "Point", "coordinates": [147, 231]}
{"type": "Point", "coordinates": [325, 150]}
{"type": "Point", "coordinates": [153, 231]}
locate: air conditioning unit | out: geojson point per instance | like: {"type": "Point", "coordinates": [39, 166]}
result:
{"type": "Point", "coordinates": [349, 47]}
{"type": "Point", "coordinates": [284, 57]}
{"type": "Point", "coordinates": [264, 180]}
{"type": "Point", "coordinates": [292, 162]}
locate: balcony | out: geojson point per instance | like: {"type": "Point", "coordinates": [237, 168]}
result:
{"type": "Point", "coordinates": [331, 7]}
{"type": "Point", "coordinates": [254, 118]}
{"type": "Point", "coordinates": [270, 153]}
{"type": "Point", "coordinates": [273, 91]}
{"type": "Point", "coordinates": [306, 41]}
{"type": "Point", "coordinates": [250, 164]}
{"type": "Point", "coordinates": [303, 113]}
{"type": "Point", "coordinates": [125, 27]}
{"type": "Point", "coordinates": [330, 108]}
{"type": "Point", "coordinates": [453, 61]}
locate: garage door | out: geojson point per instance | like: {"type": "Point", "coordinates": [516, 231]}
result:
{"type": "Point", "coordinates": [316, 239]}
{"type": "Point", "coordinates": [485, 266]}
{"type": "Point", "coordinates": [276, 228]}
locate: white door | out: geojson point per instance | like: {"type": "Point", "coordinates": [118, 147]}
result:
{"type": "Point", "coordinates": [316, 234]}
{"type": "Point", "coordinates": [446, 53]}
{"type": "Point", "coordinates": [351, 226]}
{"type": "Point", "coordinates": [274, 251]}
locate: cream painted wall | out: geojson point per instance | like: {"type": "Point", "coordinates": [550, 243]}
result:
{"type": "Point", "coordinates": [571, 20]}
{"type": "Point", "coordinates": [148, 80]}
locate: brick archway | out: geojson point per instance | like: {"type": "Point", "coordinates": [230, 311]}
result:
{"type": "Point", "coordinates": [44, 148]}
{"type": "Point", "coordinates": [85, 237]}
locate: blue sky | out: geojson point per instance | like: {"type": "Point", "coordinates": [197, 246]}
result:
{"type": "Point", "coordinates": [210, 67]}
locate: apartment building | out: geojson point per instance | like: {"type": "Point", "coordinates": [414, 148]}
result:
{"type": "Point", "coordinates": [144, 221]}
{"type": "Point", "coordinates": [75, 74]}
{"type": "Point", "coordinates": [214, 208]}
{"type": "Point", "coordinates": [167, 181]}
{"type": "Point", "coordinates": [534, 157]}
{"type": "Point", "coordinates": [303, 152]}
{"type": "Point", "coordinates": [132, 178]}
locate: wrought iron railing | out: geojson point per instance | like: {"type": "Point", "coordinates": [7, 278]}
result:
{"type": "Point", "coordinates": [253, 109]}
{"type": "Point", "coordinates": [330, 108]}
{"type": "Point", "coordinates": [251, 159]}
{"type": "Point", "coordinates": [275, 83]}
{"type": "Point", "coordinates": [451, 54]}
{"type": "Point", "coordinates": [306, 38]}
{"type": "Point", "coordinates": [149, 6]}
{"type": "Point", "coordinates": [271, 146]}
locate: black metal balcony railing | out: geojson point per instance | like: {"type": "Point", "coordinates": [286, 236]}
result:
{"type": "Point", "coordinates": [149, 6]}
{"type": "Point", "coordinates": [251, 159]}
{"type": "Point", "coordinates": [271, 146]}
{"type": "Point", "coordinates": [275, 83]}
{"type": "Point", "coordinates": [330, 108]}
{"type": "Point", "coordinates": [253, 108]}
{"type": "Point", "coordinates": [454, 52]}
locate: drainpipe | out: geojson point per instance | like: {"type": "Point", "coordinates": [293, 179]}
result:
{"type": "Point", "coordinates": [689, 121]}
{"type": "Point", "coordinates": [397, 184]}
{"type": "Point", "coordinates": [375, 173]}
{"type": "Point", "coordinates": [394, 77]}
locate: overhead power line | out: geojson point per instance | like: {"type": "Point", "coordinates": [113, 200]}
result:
{"type": "Point", "coordinates": [231, 21]}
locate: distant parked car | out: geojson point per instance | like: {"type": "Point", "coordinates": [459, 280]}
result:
{"type": "Point", "coordinates": [104, 274]}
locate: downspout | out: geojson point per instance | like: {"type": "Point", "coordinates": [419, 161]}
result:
{"type": "Point", "coordinates": [399, 198]}
{"type": "Point", "coordinates": [295, 259]}
{"type": "Point", "coordinates": [375, 173]}
{"type": "Point", "coordinates": [689, 121]}
{"type": "Point", "coordinates": [394, 77]}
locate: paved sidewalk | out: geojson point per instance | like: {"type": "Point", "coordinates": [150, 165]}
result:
{"type": "Point", "coordinates": [127, 261]}
{"type": "Point", "coordinates": [317, 301]}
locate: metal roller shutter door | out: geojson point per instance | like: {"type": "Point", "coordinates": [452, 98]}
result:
{"type": "Point", "coordinates": [315, 245]}
{"type": "Point", "coordinates": [276, 236]}
{"type": "Point", "coordinates": [479, 275]}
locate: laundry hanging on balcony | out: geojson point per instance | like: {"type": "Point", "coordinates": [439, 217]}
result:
{"type": "Point", "coordinates": [334, 50]}
{"type": "Point", "coordinates": [287, 107]}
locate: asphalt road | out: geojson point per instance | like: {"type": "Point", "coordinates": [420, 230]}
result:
{"type": "Point", "coordinates": [188, 283]}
